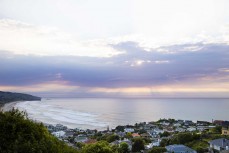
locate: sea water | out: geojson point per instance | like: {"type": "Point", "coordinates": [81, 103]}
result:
{"type": "Point", "coordinates": [98, 113]}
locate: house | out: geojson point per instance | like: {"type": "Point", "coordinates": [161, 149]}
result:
{"type": "Point", "coordinates": [188, 123]}
{"type": "Point", "coordinates": [219, 144]}
{"type": "Point", "coordinates": [156, 143]}
{"type": "Point", "coordinates": [118, 142]}
{"type": "Point", "coordinates": [134, 135]}
{"type": "Point", "coordinates": [203, 123]}
{"type": "Point", "coordinates": [69, 133]}
{"type": "Point", "coordinates": [158, 131]}
{"type": "Point", "coordinates": [149, 126]}
{"type": "Point", "coordinates": [165, 123]}
{"type": "Point", "coordinates": [218, 122]}
{"type": "Point", "coordinates": [176, 124]}
{"type": "Point", "coordinates": [60, 127]}
{"type": "Point", "coordinates": [149, 146]}
{"type": "Point", "coordinates": [225, 131]}
{"type": "Point", "coordinates": [127, 130]}
{"type": "Point", "coordinates": [225, 123]}
{"type": "Point", "coordinates": [50, 127]}
{"type": "Point", "coordinates": [180, 121]}
{"type": "Point", "coordinates": [169, 129]}
{"type": "Point", "coordinates": [155, 132]}
{"type": "Point", "coordinates": [58, 134]}
{"type": "Point", "coordinates": [179, 129]}
{"type": "Point", "coordinates": [145, 135]}
{"type": "Point", "coordinates": [121, 134]}
{"type": "Point", "coordinates": [191, 129]}
{"type": "Point", "coordinates": [179, 149]}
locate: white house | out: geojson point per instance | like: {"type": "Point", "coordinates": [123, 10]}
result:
{"type": "Point", "coordinates": [177, 124]}
{"type": "Point", "coordinates": [58, 134]}
{"type": "Point", "coordinates": [190, 129]}
{"type": "Point", "coordinates": [129, 130]}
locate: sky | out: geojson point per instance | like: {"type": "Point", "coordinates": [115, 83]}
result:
{"type": "Point", "coordinates": [122, 48]}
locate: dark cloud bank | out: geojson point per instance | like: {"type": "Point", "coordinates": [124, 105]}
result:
{"type": "Point", "coordinates": [165, 65]}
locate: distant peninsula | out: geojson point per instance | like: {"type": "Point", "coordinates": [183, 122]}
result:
{"type": "Point", "coordinates": [6, 97]}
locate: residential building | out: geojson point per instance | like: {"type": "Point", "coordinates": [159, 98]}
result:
{"type": "Point", "coordinates": [225, 123]}
{"type": "Point", "coordinates": [203, 123]}
{"type": "Point", "coordinates": [58, 134]}
{"type": "Point", "coordinates": [145, 135]}
{"type": "Point", "coordinates": [190, 129]}
{"type": "Point", "coordinates": [69, 133]}
{"type": "Point", "coordinates": [225, 131]}
{"type": "Point", "coordinates": [118, 142]}
{"type": "Point", "coordinates": [219, 144]}
{"type": "Point", "coordinates": [129, 130]}
{"type": "Point", "coordinates": [135, 135]}
{"type": "Point", "coordinates": [218, 122]}
{"type": "Point", "coordinates": [179, 129]}
{"type": "Point", "coordinates": [177, 124]}
{"type": "Point", "coordinates": [180, 121]}
{"type": "Point", "coordinates": [179, 149]}
{"type": "Point", "coordinates": [188, 123]}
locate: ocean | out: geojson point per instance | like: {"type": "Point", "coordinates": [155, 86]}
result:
{"type": "Point", "coordinates": [99, 113]}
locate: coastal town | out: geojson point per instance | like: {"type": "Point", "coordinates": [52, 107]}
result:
{"type": "Point", "coordinates": [164, 135]}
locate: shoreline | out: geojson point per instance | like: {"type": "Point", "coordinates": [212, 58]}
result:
{"type": "Point", "coordinates": [8, 106]}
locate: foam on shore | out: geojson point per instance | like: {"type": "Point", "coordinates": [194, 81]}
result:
{"type": "Point", "coordinates": [53, 114]}
{"type": "Point", "coordinates": [9, 106]}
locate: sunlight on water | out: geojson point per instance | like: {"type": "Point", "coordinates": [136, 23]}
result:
{"type": "Point", "coordinates": [100, 113]}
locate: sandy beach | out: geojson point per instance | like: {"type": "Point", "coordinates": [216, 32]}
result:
{"type": "Point", "coordinates": [9, 106]}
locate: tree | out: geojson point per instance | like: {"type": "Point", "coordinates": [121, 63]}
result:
{"type": "Point", "coordinates": [19, 134]}
{"type": "Point", "coordinates": [112, 138]}
{"type": "Point", "coordinates": [123, 148]}
{"type": "Point", "coordinates": [138, 145]}
{"type": "Point", "coordinates": [217, 130]}
{"type": "Point", "coordinates": [164, 142]}
{"type": "Point", "coordinates": [128, 135]}
{"type": "Point", "coordinates": [157, 150]}
{"type": "Point", "coordinates": [79, 145]}
{"type": "Point", "coordinates": [165, 134]}
{"type": "Point", "coordinates": [120, 128]}
{"type": "Point", "coordinates": [99, 147]}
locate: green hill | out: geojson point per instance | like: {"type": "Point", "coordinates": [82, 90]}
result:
{"type": "Point", "coordinates": [18, 134]}
{"type": "Point", "coordinates": [6, 97]}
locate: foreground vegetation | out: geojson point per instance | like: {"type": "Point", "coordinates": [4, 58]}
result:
{"type": "Point", "coordinates": [18, 134]}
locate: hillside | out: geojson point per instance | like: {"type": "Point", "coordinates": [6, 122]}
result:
{"type": "Point", "coordinates": [6, 97]}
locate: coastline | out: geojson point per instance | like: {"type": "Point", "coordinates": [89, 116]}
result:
{"type": "Point", "coordinates": [8, 106]}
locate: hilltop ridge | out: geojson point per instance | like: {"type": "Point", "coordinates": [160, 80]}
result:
{"type": "Point", "coordinates": [6, 97]}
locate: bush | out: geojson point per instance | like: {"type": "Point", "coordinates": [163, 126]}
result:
{"type": "Point", "coordinates": [157, 150]}
{"type": "Point", "coordinates": [21, 135]}
{"type": "Point", "coordinates": [99, 147]}
{"type": "Point", "coordinates": [138, 145]}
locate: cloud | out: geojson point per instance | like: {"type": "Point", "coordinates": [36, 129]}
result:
{"type": "Point", "coordinates": [134, 68]}
{"type": "Point", "coordinates": [24, 38]}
